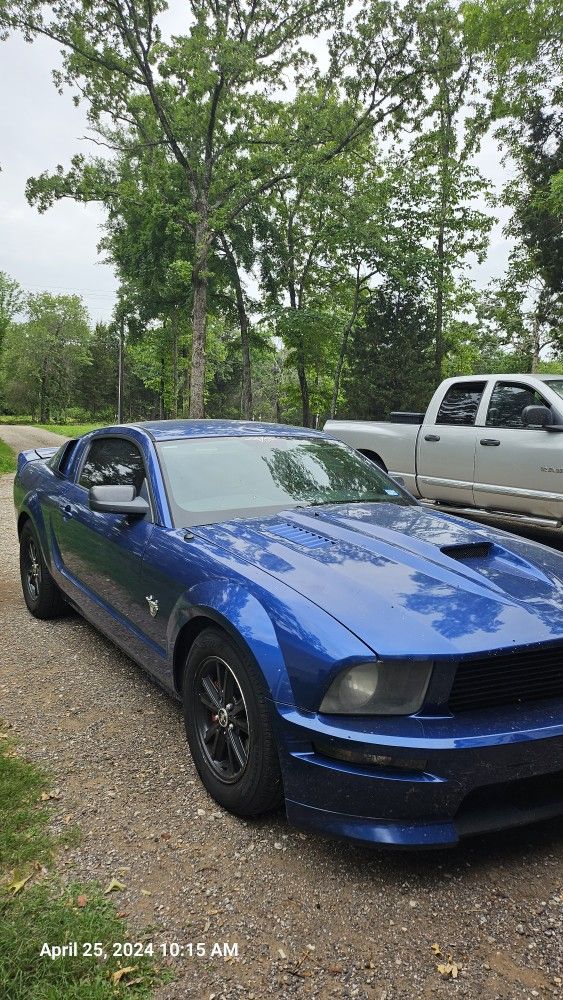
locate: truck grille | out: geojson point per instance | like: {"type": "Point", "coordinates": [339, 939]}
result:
{"type": "Point", "coordinates": [508, 679]}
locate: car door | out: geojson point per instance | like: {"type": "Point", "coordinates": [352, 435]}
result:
{"type": "Point", "coordinates": [99, 553]}
{"type": "Point", "coordinates": [446, 447]}
{"type": "Point", "coordinates": [517, 468]}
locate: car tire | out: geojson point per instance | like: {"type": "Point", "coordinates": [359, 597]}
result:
{"type": "Point", "coordinates": [41, 594]}
{"type": "Point", "coordinates": [228, 726]}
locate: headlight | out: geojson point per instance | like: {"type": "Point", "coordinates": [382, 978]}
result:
{"type": "Point", "coordinates": [396, 687]}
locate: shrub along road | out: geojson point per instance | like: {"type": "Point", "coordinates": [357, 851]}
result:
{"type": "Point", "coordinates": [311, 917]}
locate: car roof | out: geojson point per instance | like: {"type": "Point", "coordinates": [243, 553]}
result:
{"type": "Point", "coordinates": [174, 430]}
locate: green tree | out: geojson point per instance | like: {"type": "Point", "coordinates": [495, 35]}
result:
{"type": "Point", "coordinates": [44, 357]}
{"type": "Point", "coordinates": [391, 357]}
{"type": "Point", "coordinates": [537, 222]}
{"type": "Point", "coordinates": [95, 385]}
{"type": "Point", "coordinates": [442, 159]}
{"type": "Point", "coordinates": [207, 98]}
{"type": "Point", "coordinates": [11, 303]}
{"type": "Point", "coordinates": [523, 42]}
{"type": "Point", "coordinates": [524, 312]}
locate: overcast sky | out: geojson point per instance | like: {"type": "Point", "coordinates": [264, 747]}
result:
{"type": "Point", "coordinates": [57, 251]}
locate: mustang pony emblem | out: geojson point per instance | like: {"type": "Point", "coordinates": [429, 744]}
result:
{"type": "Point", "coordinates": [153, 605]}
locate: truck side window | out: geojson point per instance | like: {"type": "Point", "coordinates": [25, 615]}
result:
{"type": "Point", "coordinates": [460, 404]}
{"type": "Point", "coordinates": [507, 402]}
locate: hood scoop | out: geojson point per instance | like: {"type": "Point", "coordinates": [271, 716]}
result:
{"type": "Point", "coordinates": [300, 536]}
{"type": "Point", "coordinates": [470, 550]}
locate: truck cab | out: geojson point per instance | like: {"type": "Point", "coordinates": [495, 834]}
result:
{"type": "Point", "coordinates": [487, 442]}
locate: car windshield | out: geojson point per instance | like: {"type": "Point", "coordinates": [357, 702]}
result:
{"type": "Point", "coordinates": [556, 385]}
{"type": "Point", "coordinates": [214, 479]}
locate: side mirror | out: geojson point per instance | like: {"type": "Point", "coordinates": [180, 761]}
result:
{"type": "Point", "coordinates": [537, 416]}
{"type": "Point", "coordinates": [117, 500]}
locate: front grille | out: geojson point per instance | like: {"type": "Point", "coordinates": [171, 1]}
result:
{"type": "Point", "coordinates": [508, 679]}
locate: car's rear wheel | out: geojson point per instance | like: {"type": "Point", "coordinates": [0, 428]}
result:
{"type": "Point", "coordinates": [228, 726]}
{"type": "Point", "coordinates": [41, 594]}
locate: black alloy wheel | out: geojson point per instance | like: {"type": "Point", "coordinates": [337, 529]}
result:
{"type": "Point", "coordinates": [222, 721]}
{"type": "Point", "coordinates": [40, 592]}
{"type": "Point", "coordinates": [228, 720]}
{"type": "Point", "coordinates": [32, 571]}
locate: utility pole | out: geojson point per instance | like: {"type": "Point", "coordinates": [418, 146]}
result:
{"type": "Point", "coordinates": [120, 371]}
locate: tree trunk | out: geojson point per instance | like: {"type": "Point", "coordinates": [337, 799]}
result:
{"type": "Point", "coordinates": [344, 346]}
{"type": "Point", "coordinates": [197, 374]}
{"type": "Point", "coordinates": [247, 401]}
{"type": "Point", "coordinates": [162, 394]}
{"type": "Point", "coordinates": [43, 410]}
{"type": "Point", "coordinates": [199, 315]}
{"type": "Point", "coordinates": [174, 363]}
{"type": "Point", "coordinates": [439, 336]}
{"type": "Point", "coordinates": [338, 372]}
{"type": "Point", "coordinates": [247, 405]}
{"type": "Point", "coordinates": [447, 140]}
{"type": "Point", "coordinates": [303, 385]}
{"type": "Point", "coordinates": [184, 388]}
{"type": "Point", "coordinates": [536, 347]}
{"type": "Point", "coordinates": [120, 371]}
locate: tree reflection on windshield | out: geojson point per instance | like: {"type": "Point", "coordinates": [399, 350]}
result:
{"type": "Point", "coordinates": [216, 478]}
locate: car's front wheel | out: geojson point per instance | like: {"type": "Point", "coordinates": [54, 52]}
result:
{"type": "Point", "coordinates": [40, 591]}
{"type": "Point", "coordinates": [228, 726]}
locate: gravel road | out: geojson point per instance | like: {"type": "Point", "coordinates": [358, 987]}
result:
{"type": "Point", "coordinates": [20, 438]}
{"type": "Point", "coordinates": [311, 917]}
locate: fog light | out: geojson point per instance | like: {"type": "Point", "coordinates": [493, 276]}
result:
{"type": "Point", "coordinates": [372, 759]}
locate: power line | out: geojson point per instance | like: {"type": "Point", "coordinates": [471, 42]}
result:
{"type": "Point", "coordinates": [66, 288]}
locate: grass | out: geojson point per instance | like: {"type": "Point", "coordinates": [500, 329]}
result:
{"type": "Point", "coordinates": [7, 459]}
{"type": "Point", "coordinates": [42, 910]}
{"type": "Point", "coordinates": [69, 430]}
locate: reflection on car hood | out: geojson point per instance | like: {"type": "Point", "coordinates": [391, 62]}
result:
{"type": "Point", "coordinates": [381, 570]}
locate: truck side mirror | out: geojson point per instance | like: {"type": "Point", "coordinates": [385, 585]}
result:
{"type": "Point", "coordinates": [537, 416]}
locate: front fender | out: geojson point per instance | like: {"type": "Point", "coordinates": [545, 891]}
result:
{"type": "Point", "coordinates": [298, 646]}
{"type": "Point", "coordinates": [236, 610]}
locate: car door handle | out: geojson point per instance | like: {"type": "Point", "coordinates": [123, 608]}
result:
{"type": "Point", "coordinates": [490, 442]}
{"type": "Point", "coordinates": [431, 437]}
{"type": "Point", "coordinates": [66, 509]}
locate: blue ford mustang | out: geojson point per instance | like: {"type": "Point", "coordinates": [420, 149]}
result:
{"type": "Point", "coordinates": [394, 674]}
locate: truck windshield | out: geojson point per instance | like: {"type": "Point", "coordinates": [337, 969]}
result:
{"type": "Point", "coordinates": [217, 478]}
{"type": "Point", "coordinates": [556, 385]}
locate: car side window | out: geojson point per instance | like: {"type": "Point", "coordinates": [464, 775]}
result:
{"type": "Point", "coordinates": [507, 402]}
{"type": "Point", "coordinates": [460, 404]}
{"type": "Point", "coordinates": [113, 462]}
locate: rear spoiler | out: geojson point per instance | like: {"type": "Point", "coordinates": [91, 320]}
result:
{"type": "Point", "coordinates": [34, 455]}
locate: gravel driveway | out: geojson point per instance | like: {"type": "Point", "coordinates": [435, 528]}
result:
{"type": "Point", "coordinates": [311, 917]}
{"type": "Point", "coordinates": [21, 437]}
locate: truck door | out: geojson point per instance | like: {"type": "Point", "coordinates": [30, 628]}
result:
{"type": "Point", "coordinates": [446, 446]}
{"type": "Point", "coordinates": [518, 468]}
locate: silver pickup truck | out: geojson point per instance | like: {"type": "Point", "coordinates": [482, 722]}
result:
{"type": "Point", "coordinates": [490, 442]}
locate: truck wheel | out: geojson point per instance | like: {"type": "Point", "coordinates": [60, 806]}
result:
{"type": "Point", "coordinates": [40, 592]}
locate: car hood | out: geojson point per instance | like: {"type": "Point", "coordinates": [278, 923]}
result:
{"type": "Point", "coordinates": [407, 580]}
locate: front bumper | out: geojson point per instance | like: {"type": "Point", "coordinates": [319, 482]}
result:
{"type": "Point", "coordinates": [481, 772]}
